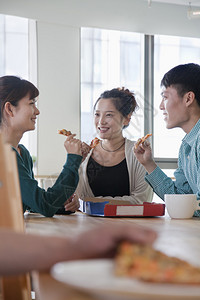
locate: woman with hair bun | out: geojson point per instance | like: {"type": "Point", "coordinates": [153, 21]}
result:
{"type": "Point", "coordinates": [111, 169]}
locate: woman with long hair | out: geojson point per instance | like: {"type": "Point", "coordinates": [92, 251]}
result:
{"type": "Point", "coordinates": [18, 114]}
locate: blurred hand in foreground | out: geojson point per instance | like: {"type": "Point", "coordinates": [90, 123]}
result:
{"type": "Point", "coordinates": [20, 253]}
{"type": "Point", "coordinates": [103, 241]}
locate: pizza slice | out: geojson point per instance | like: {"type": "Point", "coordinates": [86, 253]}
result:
{"type": "Point", "coordinates": [145, 263]}
{"type": "Point", "coordinates": [64, 132]}
{"type": "Point", "coordinates": [141, 140]}
{"type": "Point", "coordinates": [94, 142]}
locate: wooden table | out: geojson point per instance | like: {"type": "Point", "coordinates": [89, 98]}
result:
{"type": "Point", "coordinates": [179, 238]}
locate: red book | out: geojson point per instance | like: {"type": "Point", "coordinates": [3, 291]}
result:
{"type": "Point", "coordinates": [115, 208]}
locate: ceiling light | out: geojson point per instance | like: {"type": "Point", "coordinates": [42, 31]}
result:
{"type": "Point", "coordinates": [149, 3]}
{"type": "Point", "coordinates": [191, 13]}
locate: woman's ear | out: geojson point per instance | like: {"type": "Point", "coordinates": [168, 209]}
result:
{"type": "Point", "coordinates": [127, 119]}
{"type": "Point", "coordinates": [8, 109]}
{"type": "Point", "coordinates": [189, 98]}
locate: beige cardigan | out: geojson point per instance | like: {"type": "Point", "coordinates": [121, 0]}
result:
{"type": "Point", "coordinates": [140, 191]}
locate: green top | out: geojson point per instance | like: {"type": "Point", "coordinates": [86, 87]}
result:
{"type": "Point", "coordinates": [39, 200]}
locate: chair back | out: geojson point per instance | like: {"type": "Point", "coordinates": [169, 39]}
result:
{"type": "Point", "coordinates": [11, 216]}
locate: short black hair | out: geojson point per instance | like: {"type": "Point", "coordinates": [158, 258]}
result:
{"type": "Point", "coordinates": [184, 78]}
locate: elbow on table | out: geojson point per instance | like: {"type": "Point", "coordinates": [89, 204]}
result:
{"type": "Point", "coordinates": [49, 213]}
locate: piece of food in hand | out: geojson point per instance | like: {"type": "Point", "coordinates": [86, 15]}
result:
{"type": "Point", "coordinates": [145, 263]}
{"type": "Point", "coordinates": [64, 132]}
{"type": "Point", "coordinates": [141, 140]}
{"type": "Point", "coordinates": [94, 142]}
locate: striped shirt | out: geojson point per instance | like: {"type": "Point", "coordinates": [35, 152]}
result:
{"type": "Point", "coordinates": [187, 175]}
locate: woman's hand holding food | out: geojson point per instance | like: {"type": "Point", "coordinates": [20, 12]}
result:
{"type": "Point", "coordinates": [72, 145]}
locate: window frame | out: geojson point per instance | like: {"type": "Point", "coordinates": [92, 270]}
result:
{"type": "Point", "coordinates": [163, 163]}
{"type": "Point", "coordinates": [30, 138]}
{"type": "Point", "coordinates": [148, 86]}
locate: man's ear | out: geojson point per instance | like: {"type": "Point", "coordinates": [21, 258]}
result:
{"type": "Point", "coordinates": [8, 108]}
{"type": "Point", "coordinates": [189, 98]}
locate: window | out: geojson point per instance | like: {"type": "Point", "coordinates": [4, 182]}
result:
{"type": "Point", "coordinates": [170, 51]}
{"type": "Point", "coordinates": [14, 46]}
{"type": "Point", "coordinates": [112, 58]}
{"type": "Point", "coordinates": [103, 67]}
{"type": "Point", "coordinates": [18, 57]}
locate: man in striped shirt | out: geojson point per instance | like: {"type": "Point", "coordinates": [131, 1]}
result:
{"type": "Point", "coordinates": [181, 108]}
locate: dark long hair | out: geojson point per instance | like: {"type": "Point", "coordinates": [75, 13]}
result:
{"type": "Point", "coordinates": [13, 89]}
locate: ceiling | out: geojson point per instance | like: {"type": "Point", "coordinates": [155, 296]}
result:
{"type": "Point", "coordinates": [180, 2]}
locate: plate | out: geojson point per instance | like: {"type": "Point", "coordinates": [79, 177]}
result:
{"type": "Point", "coordinates": [97, 276]}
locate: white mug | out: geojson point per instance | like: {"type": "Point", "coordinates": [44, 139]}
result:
{"type": "Point", "coordinates": [181, 206]}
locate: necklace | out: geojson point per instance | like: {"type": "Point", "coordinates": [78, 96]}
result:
{"type": "Point", "coordinates": [112, 150]}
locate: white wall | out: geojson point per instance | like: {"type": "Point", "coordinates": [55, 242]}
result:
{"type": "Point", "coordinates": [58, 27]}
{"type": "Point", "coordinates": [58, 82]}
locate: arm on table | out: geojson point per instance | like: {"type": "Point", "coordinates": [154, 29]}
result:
{"type": "Point", "coordinates": [20, 253]}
